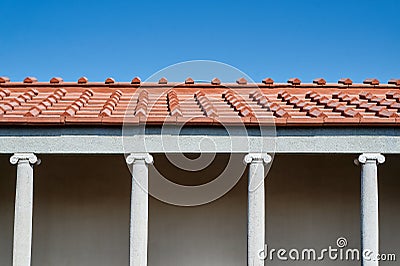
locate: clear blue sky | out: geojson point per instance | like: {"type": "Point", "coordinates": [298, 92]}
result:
{"type": "Point", "coordinates": [123, 39]}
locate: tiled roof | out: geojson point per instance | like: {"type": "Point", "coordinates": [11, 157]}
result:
{"type": "Point", "coordinates": [104, 103]}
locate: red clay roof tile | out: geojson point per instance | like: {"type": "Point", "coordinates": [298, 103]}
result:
{"type": "Point", "coordinates": [30, 80]}
{"type": "Point", "coordinates": [268, 81]}
{"type": "Point", "coordinates": [319, 81]}
{"type": "Point", "coordinates": [241, 81]}
{"type": "Point", "coordinates": [83, 80]}
{"type": "Point", "coordinates": [142, 103]}
{"type": "Point", "coordinates": [163, 81]}
{"type": "Point", "coordinates": [83, 99]}
{"type": "Point", "coordinates": [189, 81]}
{"type": "Point", "coordinates": [215, 81]}
{"type": "Point", "coordinates": [4, 93]}
{"type": "Point", "coordinates": [205, 104]}
{"type": "Point", "coordinates": [136, 80]}
{"type": "Point", "coordinates": [173, 104]}
{"type": "Point", "coordinates": [46, 103]}
{"type": "Point", "coordinates": [394, 81]}
{"type": "Point", "coordinates": [111, 103]}
{"type": "Point", "coordinates": [294, 81]}
{"type": "Point", "coordinates": [371, 81]}
{"type": "Point", "coordinates": [56, 80]}
{"type": "Point", "coordinates": [109, 81]}
{"type": "Point", "coordinates": [4, 79]}
{"type": "Point", "coordinates": [96, 103]}
{"type": "Point", "coordinates": [345, 81]}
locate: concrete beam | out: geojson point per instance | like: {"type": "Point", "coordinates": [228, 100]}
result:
{"type": "Point", "coordinates": [110, 141]}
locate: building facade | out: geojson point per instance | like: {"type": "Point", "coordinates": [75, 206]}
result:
{"type": "Point", "coordinates": [319, 146]}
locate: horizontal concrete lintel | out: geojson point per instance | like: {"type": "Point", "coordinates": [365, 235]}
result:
{"type": "Point", "coordinates": [91, 144]}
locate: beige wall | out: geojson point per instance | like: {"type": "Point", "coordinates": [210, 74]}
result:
{"type": "Point", "coordinates": [81, 214]}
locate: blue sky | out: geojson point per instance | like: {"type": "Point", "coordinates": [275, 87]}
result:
{"type": "Point", "coordinates": [123, 39]}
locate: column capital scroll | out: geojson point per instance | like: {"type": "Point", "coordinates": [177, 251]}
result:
{"type": "Point", "coordinates": [146, 157]}
{"type": "Point", "coordinates": [377, 157]}
{"type": "Point", "coordinates": [257, 157]}
{"type": "Point", "coordinates": [31, 157]}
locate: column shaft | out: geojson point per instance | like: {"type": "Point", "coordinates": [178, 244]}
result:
{"type": "Point", "coordinates": [369, 206]}
{"type": "Point", "coordinates": [139, 209]}
{"type": "Point", "coordinates": [256, 214]}
{"type": "Point", "coordinates": [256, 208]}
{"type": "Point", "coordinates": [22, 246]}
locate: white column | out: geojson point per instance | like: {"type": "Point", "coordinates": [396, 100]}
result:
{"type": "Point", "coordinates": [256, 207]}
{"type": "Point", "coordinates": [139, 208]}
{"type": "Point", "coordinates": [369, 205]}
{"type": "Point", "coordinates": [22, 247]}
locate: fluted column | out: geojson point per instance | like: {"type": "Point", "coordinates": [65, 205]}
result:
{"type": "Point", "coordinates": [256, 207]}
{"type": "Point", "coordinates": [369, 205]}
{"type": "Point", "coordinates": [22, 247]}
{"type": "Point", "coordinates": [139, 208]}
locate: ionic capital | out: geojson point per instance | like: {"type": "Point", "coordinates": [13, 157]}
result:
{"type": "Point", "coordinates": [17, 157]}
{"type": "Point", "coordinates": [146, 157]}
{"type": "Point", "coordinates": [374, 157]}
{"type": "Point", "coordinates": [257, 158]}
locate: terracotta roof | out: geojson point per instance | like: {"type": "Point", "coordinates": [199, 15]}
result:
{"type": "Point", "coordinates": [56, 102]}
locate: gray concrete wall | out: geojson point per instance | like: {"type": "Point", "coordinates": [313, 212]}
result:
{"type": "Point", "coordinates": [81, 212]}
